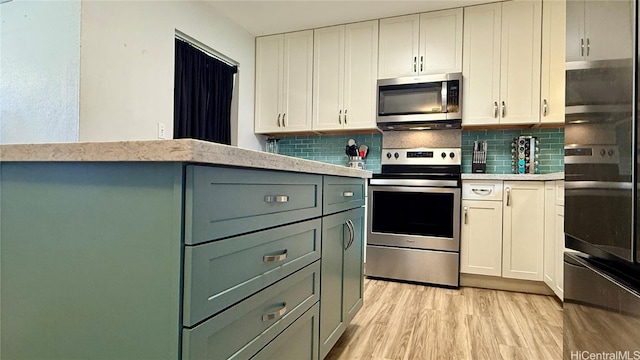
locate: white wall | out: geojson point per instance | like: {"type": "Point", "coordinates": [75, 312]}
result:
{"type": "Point", "coordinates": [127, 66]}
{"type": "Point", "coordinates": [39, 71]}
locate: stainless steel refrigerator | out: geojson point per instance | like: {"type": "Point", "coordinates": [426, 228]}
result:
{"type": "Point", "coordinates": [602, 275]}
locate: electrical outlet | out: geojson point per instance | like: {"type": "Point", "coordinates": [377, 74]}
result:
{"type": "Point", "coordinates": [161, 131]}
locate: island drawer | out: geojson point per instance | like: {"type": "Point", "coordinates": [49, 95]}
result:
{"type": "Point", "coordinates": [298, 341]}
{"type": "Point", "coordinates": [244, 329]}
{"type": "Point", "coordinates": [223, 202]}
{"type": "Point", "coordinates": [342, 193]}
{"type": "Point", "coordinates": [482, 190]}
{"type": "Point", "coordinates": [221, 273]}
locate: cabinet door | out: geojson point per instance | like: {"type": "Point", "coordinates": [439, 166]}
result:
{"type": "Point", "coordinates": [575, 41]}
{"type": "Point", "coordinates": [353, 285]}
{"type": "Point", "coordinates": [332, 313]}
{"type": "Point", "coordinates": [481, 64]}
{"type": "Point", "coordinates": [559, 251]}
{"type": "Point", "coordinates": [297, 80]}
{"type": "Point", "coordinates": [523, 230]}
{"type": "Point", "coordinates": [269, 58]}
{"type": "Point", "coordinates": [440, 42]}
{"type": "Point", "coordinates": [553, 60]}
{"type": "Point", "coordinates": [328, 74]}
{"type": "Point", "coordinates": [360, 74]}
{"type": "Point", "coordinates": [520, 62]}
{"type": "Point", "coordinates": [398, 51]}
{"type": "Point", "coordinates": [481, 237]}
{"type": "Point", "coordinates": [608, 29]}
{"type": "Point", "coordinates": [550, 249]}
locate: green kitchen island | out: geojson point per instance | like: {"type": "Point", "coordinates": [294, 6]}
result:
{"type": "Point", "coordinates": [175, 249]}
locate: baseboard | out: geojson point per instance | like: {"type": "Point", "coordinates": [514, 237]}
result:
{"type": "Point", "coordinates": [500, 283]}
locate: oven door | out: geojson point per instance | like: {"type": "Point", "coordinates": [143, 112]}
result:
{"type": "Point", "coordinates": [414, 217]}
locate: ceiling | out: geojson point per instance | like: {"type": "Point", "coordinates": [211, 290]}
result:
{"type": "Point", "coordinates": [271, 17]}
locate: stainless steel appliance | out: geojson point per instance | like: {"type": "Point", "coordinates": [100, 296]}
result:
{"type": "Point", "coordinates": [414, 216]}
{"type": "Point", "coordinates": [602, 280]}
{"type": "Point", "coordinates": [422, 102]}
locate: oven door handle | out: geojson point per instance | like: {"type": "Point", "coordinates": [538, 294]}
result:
{"type": "Point", "coordinates": [414, 182]}
{"type": "Point", "coordinates": [602, 185]}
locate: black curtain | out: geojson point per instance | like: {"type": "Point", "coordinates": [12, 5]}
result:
{"type": "Point", "coordinates": [203, 90]}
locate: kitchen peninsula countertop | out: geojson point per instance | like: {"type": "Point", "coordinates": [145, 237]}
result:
{"type": "Point", "coordinates": [510, 177]}
{"type": "Point", "coordinates": [181, 150]}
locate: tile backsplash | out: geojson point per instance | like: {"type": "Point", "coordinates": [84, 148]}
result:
{"type": "Point", "coordinates": [330, 148]}
{"type": "Point", "coordinates": [551, 155]}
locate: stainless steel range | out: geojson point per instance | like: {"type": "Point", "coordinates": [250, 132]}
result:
{"type": "Point", "coordinates": [414, 216]}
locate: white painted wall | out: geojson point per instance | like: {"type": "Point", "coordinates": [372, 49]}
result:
{"type": "Point", "coordinates": [127, 66]}
{"type": "Point", "coordinates": [39, 71]}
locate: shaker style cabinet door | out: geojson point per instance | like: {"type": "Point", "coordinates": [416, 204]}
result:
{"type": "Point", "coordinates": [553, 62]}
{"type": "Point", "coordinates": [284, 68]}
{"type": "Point", "coordinates": [398, 46]}
{"type": "Point", "coordinates": [550, 235]}
{"type": "Point", "coordinates": [523, 230]}
{"type": "Point", "coordinates": [328, 78]}
{"type": "Point", "coordinates": [441, 42]}
{"type": "Point", "coordinates": [481, 237]}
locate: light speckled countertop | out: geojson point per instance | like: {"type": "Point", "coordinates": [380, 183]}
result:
{"type": "Point", "coordinates": [182, 150]}
{"type": "Point", "coordinates": [531, 177]}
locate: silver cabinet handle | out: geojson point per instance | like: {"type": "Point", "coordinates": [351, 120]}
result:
{"type": "Point", "coordinates": [347, 194]}
{"type": "Point", "coordinates": [504, 108]}
{"type": "Point", "coordinates": [276, 198]}
{"type": "Point", "coordinates": [415, 61]}
{"type": "Point", "coordinates": [276, 314]}
{"type": "Point", "coordinates": [495, 109]}
{"type": "Point", "coordinates": [482, 191]}
{"type": "Point", "coordinates": [466, 214]}
{"type": "Point", "coordinates": [345, 116]}
{"type": "Point", "coordinates": [421, 63]}
{"type": "Point", "coordinates": [279, 121]}
{"type": "Point", "coordinates": [545, 107]}
{"type": "Point", "coordinates": [588, 46]}
{"type": "Point", "coordinates": [275, 258]}
{"type": "Point", "coordinates": [508, 196]}
{"type": "Point", "coordinates": [581, 47]}
{"type": "Point", "coordinates": [352, 234]}
{"type": "Point", "coordinates": [284, 119]}
{"type": "Point", "coordinates": [340, 117]}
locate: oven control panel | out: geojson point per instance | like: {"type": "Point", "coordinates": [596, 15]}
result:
{"type": "Point", "coordinates": [422, 156]}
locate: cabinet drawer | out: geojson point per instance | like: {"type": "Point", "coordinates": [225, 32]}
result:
{"type": "Point", "coordinates": [247, 327]}
{"type": "Point", "coordinates": [342, 193]}
{"type": "Point", "coordinates": [298, 341]}
{"type": "Point", "coordinates": [560, 192]}
{"type": "Point", "coordinates": [221, 273]}
{"type": "Point", "coordinates": [482, 190]}
{"type": "Point", "coordinates": [222, 202]}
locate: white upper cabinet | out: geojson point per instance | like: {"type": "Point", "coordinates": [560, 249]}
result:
{"type": "Point", "coordinates": [344, 86]}
{"type": "Point", "coordinates": [284, 82]}
{"type": "Point", "coordinates": [552, 85]}
{"type": "Point", "coordinates": [501, 63]}
{"type": "Point", "coordinates": [429, 43]}
{"type": "Point", "coordinates": [599, 30]}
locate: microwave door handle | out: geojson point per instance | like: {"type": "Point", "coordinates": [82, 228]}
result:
{"type": "Point", "coordinates": [443, 93]}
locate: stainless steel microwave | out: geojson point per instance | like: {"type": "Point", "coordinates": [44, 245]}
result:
{"type": "Point", "coordinates": [422, 102]}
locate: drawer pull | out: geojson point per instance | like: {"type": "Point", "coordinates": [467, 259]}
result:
{"type": "Point", "coordinates": [347, 194]}
{"type": "Point", "coordinates": [275, 258]}
{"type": "Point", "coordinates": [276, 314]}
{"type": "Point", "coordinates": [276, 198]}
{"type": "Point", "coordinates": [482, 191]}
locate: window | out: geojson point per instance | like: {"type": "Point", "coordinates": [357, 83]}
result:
{"type": "Point", "coordinates": [203, 90]}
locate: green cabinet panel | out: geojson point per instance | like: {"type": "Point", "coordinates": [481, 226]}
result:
{"type": "Point", "coordinates": [221, 273]}
{"type": "Point", "coordinates": [222, 202]}
{"type": "Point", "coordinates": [341, 274]}
{"type": "Point", "coordinates": [91, 260]}
{"type": "Point", "coordinates": [342, 193]}
{"type": "Point", "coordinates": [299, 341]}
{"type": "Point", "coordinates": [245, 328]}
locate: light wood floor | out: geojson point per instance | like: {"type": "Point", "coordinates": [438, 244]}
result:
{"type": "Point", "coordinates": [408, 321]}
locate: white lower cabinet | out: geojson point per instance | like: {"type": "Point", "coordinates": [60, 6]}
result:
{"type": "Point", "coordinates": [523, 230]}
{"type": "Point", "coordinates": [481, 237]}
{"type": "Point", "coordinates": [554, 236]}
